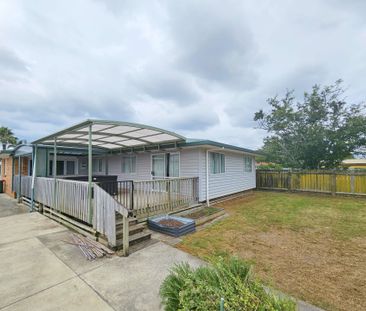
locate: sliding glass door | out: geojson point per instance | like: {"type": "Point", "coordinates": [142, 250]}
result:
{"type": "Point", "coordinates": [165, 165]}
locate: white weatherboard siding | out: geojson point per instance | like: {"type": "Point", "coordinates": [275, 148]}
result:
{"type": "Point", "coordinates": [143, 167]}
{"type": "Point", "coordinates": [193, 164]}
{"type": "Point", "coordinates": [188, 167]}
{"type": "Point", "coordinates": [233, 180]}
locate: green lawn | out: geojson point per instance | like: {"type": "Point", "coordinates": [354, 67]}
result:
{"type": "Point", "coordinates": [310, 246]}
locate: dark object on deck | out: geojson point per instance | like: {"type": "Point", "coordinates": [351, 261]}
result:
{"type": "Point", "coordinates": [106, 182]}
{"type": "Point", "coordinates": [172, 225]}
{"type": "Point", "coordinates": [1, 186]}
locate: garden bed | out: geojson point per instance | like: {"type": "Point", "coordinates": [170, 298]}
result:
{"type": "Point", "coordinates": [172, 225]}
{"type": "Point", "coordinates": [205, 214]}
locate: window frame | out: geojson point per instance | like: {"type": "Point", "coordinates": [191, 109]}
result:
{"type": "Point", "coordinates": [64, 173]}
{"type": "Point", "coordinates": [99, 165]}
{"type": "Point", "coordinates": [178, 154]}
{"type": "Point", "coordinates": [222, 156]}
{"type": "Point", "coordinates": [66, 167]}
{"type": "Point", "coordinates": [130, 157]}
{"type": "Point", "coordinates": [246, 157]}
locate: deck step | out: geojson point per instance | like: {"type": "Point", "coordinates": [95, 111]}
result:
{"type": "Point", "coordinates": [119, 225]}
{"type": "Point", "coordinates": [119, 221]}
{"type": "Point", "coordinates": [132, 229]}
{"type": "Point", "coordinates": [136, 238]}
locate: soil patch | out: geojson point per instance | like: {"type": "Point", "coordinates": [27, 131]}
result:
{"type": "Point", "coordinates": [171, 223]}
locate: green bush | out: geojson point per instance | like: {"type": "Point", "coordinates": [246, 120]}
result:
{"type": "Point", "coordinates": [201, 289]}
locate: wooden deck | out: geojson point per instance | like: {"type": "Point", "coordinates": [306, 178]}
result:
{"type": "Point", "coordinates": [67, 201]}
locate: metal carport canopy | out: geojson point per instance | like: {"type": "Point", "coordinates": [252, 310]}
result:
{"type": "Point", "coordinates": [111, 135]}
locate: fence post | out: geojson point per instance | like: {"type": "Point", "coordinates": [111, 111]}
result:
{"type": "Point", "coordinates": [352, 182]}
{"type": "Point", "coordinates": [289, 180]}
{"type": "Point", "coordinates": [334, 183]}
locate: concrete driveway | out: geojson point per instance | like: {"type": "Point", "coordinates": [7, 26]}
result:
{"type": "Point", "coordinates": [39, 271]}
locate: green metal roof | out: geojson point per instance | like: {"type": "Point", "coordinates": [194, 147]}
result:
{"type": "Point", "coordinates": [203, 142]}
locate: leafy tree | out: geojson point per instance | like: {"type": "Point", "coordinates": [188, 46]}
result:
{"type": "Point", "coordinates": [320, 131]}
{"type": "Point", "coordinates": [7, 137]}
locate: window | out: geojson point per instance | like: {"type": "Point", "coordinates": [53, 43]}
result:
{"type": "Point", "coordinates": [129, 164]}
{"type": "Point", "coordinates": [59, 168]}
{"type": "Point", "coordinates": [97, 165]}
{"type": "Point", "coordinates": [173, 164]}
{"type": "Point", "coordinates": [217, 163]}
{"type": "Point", "coordinates": [158, 165]}
{"type": "Point", "coordinates": [70, 168]}
{"type": "Point", "coordinates": [248, 164]}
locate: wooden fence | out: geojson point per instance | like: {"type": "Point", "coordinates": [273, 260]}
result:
{"type": "Point", "coordinates": [334, 182]}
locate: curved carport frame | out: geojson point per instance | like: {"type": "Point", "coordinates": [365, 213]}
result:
{"type": "Point", "coordinates": [103, 136]}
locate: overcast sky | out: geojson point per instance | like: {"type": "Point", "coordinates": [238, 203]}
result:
{"type": "Point", "coordinates": [200, 68]}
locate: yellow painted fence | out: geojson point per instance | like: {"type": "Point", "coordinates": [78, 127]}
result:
{"type": "Point", "coordinates": [335, 182]}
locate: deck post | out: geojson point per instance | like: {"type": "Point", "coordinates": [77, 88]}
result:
{"type": "Point", "coordinates": [90, 172]}
{"type": "Point", "coordinates": [126, 233]}
{"type": "Point", "coordinates": [34, 174]}
{"type": "Point", "coordinates": [54, 168]}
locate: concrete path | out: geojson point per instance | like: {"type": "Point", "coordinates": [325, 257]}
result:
{"type": "Point", "coordinates": [39, 271]}
{"type": "Point", "coordinates": [9, 206]}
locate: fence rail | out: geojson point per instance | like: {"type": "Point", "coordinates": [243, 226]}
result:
{"type": "Point", "coordinates": [335, 182]}
{"type": "Point", "coordinates": [158, 196]}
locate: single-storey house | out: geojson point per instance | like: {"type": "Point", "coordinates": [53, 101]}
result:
{"type": "Point", "coordinates": [354, 163]}
{"type": "Point", "coordinates": [147, 170]}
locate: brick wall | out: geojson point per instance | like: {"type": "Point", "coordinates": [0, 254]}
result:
{"type": "Point", "coordinates": [6, 173]}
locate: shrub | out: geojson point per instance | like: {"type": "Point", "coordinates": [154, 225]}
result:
{"type": "Point", "coordinates": [201, 289]}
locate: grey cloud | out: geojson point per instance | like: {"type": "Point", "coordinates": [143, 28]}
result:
{"type": "Point", "coordinates": [167, 85]}
{"type": "Point", "coordinates": [193, 119]}
{"type": "Point", "coordinates": [214, 43]}
{"type": "Point", "coordinates": [12, 67]}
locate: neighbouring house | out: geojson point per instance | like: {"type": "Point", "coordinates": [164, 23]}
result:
{"type": "Point", "coordinates": [98, 168]}
{"type": "Point", "coordinates": [9, 167]}
{"type": "Point", "coordinates": [354, 163]}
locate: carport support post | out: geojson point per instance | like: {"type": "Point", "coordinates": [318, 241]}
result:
{"type": "Point", "coordinates": [12, 174]}
{"type": "Point", "coordinates": [20, 177]}
{"type": "Point", "coordinates": [90, 172]}
{"type": "Point", "coordinates": [54, 168]}
{"type": "Point", "coordinates": [34, 173]}
{"type": "Point", "coordinates": [207, 181]}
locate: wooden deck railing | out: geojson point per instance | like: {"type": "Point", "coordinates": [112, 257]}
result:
{"type": "Point", "coordinates": [71, 199]}
{"type": "Point", "coordinates": [334, 182]}
{"type": "Point", "coordinates": [158, 196]}
{"type": "Point", "coordinates": [141, 198]}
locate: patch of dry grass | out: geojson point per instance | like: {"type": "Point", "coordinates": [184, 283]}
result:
{"type": "Point", "coordinates": [310, 246]}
